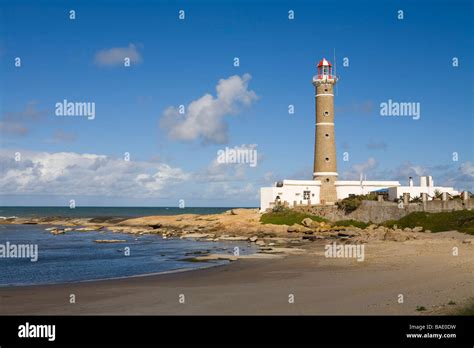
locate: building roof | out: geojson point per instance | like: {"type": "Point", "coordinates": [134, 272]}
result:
{"type": "Point", "coordinates": [324, 62]}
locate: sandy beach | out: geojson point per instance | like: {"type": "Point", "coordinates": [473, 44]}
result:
{"type": "Point", "coordinates": [423, 270]}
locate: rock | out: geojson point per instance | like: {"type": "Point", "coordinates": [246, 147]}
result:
{"type": "Point", "coordinates": [407, 229]}
{"type": "Point", "coordinates": [234, 238]}
{"type": "Point", "coordinates": [242, 211]}
{"type": "Point", "coordinates": [196, 235]}
{"type": "Point", "coordinates": [286, 251]}
{"type": "Point", "coordinates": [155, 226]}
{"type": "Point", "coordinates": [260, 242]}
{"type": "Point", "coordinates": [89, 228]}
{"type": "Point", "coordinates": [253, 239]}
{"type": "Point", "coordinates": [312, 238]}
{"type": "Point", "coordinates": [307, 222]}
{"type": "Point", "coordinates": [377, 234]}
{"type": "Point", "coordinates": [427, 231]}
{"type": "Point", "coordinates": [68, 229]}
{"type": "Point", "coordinates": [110, 241]}
{"type": "Point", "coordinates": [347, 234]}
{"type": "Point", "coordinates": [293, 228]}
{"type": "Point", "coordinates": [298, 228]}
{"type": "Point", "coordinates": [57, 231]}
{"type": "Point", "coordinates": [328, 234]}
{"type": "Point", "coordinates": [371, 227]}
{"type": "Point", "coordinates": [417, 229]}
{"type": "Point", "coordinates": [398, 236]}
{"type": "Point", "coordinates": [361, 239]}
{"type": "Point", "coordinates": [468, 241]}
{"type": "Point", "coordinates": [216, 257]}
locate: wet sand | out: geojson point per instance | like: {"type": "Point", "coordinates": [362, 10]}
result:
{"type": "Point", "coordinates": [424, 271]}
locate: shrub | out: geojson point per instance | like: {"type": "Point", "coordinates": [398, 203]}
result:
{"type": "Point", "coordinates": [279, 208]}
{"type": "Point", "coordinates": [416, 199]}
{"type": "Point", "coordinates": [460, 220]}
{"type": "Point", "coordinates": [288, 217]}
{"type": "Point", "coordinates": [351, 203]}
{"type": "Point", "coordinates": [354, 223]}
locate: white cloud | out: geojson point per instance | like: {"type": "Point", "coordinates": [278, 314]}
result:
{"type": "Point", "coordinates": [204, 117]}
{"type": "Point", "coordinates": [407, 169]}
{"type": "Point", "coordinates": [13, 128]}
{"type": "Point", "coordinates": [377, 145]}
{"type": "Point", "coordinates": [269, 177]}
{"type": "Point", "coordinates": [460, 177]}
{"type": "Point", "coordinates": [467, 168]}
{"type": "Point", "coordinates": [19, 123]}
{"type": "Point", "coordinates": [69, 173]}
{"type": "Point", "coordinates": [115, 56]}
{"type": "Point", "coordinates": [228, 192]}
{"type": "Point", "coordinates": [362, 168]}
{"type": "Point", "coordinates": [220, 172]}
{"type": "Point", "coordinates": [61, 136]}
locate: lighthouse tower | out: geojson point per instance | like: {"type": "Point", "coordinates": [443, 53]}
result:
{"type": "Point", "coordinates": [325, 168]}
{"type": "Point", "coordinates": [325, 188]}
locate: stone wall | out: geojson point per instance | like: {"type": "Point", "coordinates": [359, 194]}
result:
{"type": "Point", "coordinates": [379, 212]}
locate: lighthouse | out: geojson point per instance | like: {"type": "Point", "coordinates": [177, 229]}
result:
{"type": "Point", "coordinates": [325, 166]}
{"type": "Point", "coordinates": [325, 188]}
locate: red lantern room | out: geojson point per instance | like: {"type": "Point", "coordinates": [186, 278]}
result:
{"type": "Point", "coordinates": [325, 70]}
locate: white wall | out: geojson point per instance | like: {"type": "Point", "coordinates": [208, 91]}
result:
{"type": "Point", "coordinates": [416, 191]}
{"type": "Point", "coordinates": [266, 197]}
{"type": "Point", "coordinates": [291, 191]}
{"type": "Point", "coordinates": [346, 188]}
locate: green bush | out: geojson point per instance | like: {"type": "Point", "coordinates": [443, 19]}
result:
{"type": "Point", "coordinates": [279, 208]}
{"type": "Point", "coordinates": [354, 223]}
{"type": "Point", "coordinates": [287, 217]}
{"type": "Point", "coordinates": [460, 220]}
{"type": "Point", "coordinates": [351, 203]}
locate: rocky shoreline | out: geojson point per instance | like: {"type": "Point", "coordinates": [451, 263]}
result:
{"type": "Point", "coordinates": [291, 259]}
{"type": "Point", "coordinates": [232, 225]}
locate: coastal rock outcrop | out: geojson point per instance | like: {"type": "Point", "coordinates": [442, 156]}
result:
{"type": "Point", "coordinates": [296, 228]}
{"type": "Point", "coordinates": [398, 235]}
{"type": "Point", "coordinates": [56, 231]}
{"type": "Point", "coordinates": [110, 241]}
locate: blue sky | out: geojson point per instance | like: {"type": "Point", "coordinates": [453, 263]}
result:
{"type": "Point", "coordinates": [180, 61]}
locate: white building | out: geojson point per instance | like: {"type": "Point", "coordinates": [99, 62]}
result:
{"type": "Point", "coordinates": [426, 186]}
{"type": "Point", "coordinates": [306, 192]}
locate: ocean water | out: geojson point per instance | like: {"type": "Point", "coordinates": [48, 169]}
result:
{"type": "Point", "coordinates": [74, 256]}
{"type": "Point", "coordinates": [103, 211]}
